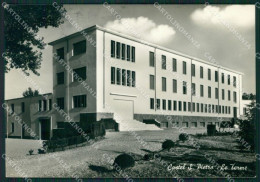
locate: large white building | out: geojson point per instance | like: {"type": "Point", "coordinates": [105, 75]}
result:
{"type": "Point", "coordinates": [138, 80]}
{"type": "Point", "coordinates": [99, 73]}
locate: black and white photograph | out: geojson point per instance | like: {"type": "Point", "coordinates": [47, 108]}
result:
{"type": "Point", "coordinates": [129, 91]}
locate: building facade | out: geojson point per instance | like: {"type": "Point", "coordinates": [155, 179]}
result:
{"type": "Point", "coordinates": [99, 73]}
{"type": "Point", "coordinates": [136, 80]}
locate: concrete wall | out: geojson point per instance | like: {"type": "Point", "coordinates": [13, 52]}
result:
{"type": "Point", "coordinates": [141, 94]}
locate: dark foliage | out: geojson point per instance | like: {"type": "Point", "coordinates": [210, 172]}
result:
{"type": "Point", "coordinates": [22, 44]}
{"type": "Point", "coordinates": [183, 137]}
{"type": "Point", "coordinates": [30, 93]}
{"type": "Point", "coordinates": [168, 144]}
{"type": "Point", "coordinates": [247, 127]}
{"type": "Point", "coordinates": [247, 96]}
{"type": "Point", "coordinates": [31, 151]}
{"type": "Point", "coordinates": [124, 161]}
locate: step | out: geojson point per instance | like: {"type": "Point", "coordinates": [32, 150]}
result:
{"type": "Point", "coordinates": [134, 125]}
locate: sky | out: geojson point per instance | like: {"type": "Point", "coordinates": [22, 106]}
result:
{"type": "Point", "coordinates": [226, 35]}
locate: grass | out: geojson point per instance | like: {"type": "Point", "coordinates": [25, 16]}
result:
{"type": "Point", "coordinates": [95, 160]}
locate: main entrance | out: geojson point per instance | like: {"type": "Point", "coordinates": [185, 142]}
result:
{"type": "Point", "coordinates": [45, 129]}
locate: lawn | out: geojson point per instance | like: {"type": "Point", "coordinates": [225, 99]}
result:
{"type": "Point", "coordinates": [94, 161]}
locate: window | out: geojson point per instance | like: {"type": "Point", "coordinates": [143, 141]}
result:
{"type": "Point", "coordinates": [60, 102]}
{"type": "Point", "coordinates": [198, 107]}
{"type": "Point", "coordinates": [223, 109]}
{"type": "Point", "coordinates": [12, 130]}
{"type": "Point", "coordinates": [123, 77]}
{"type": "Point", "coordinates": [164, 104]}
{"type": "Point", "coordinates": [235, 97]}
{"type": "Point", "coordinates": [229, 110]}
{"type": "Point", "coordinates": [202, 124]}
{"type": "Point", "coordinates": [209, 108]}
{"type": "Point", "coordinates": [229, 95]}
{"type": "Point", "coordinates": [151, 103]}
{"type": "Point", "coordinates": [184, 65]}
{"type": "Point", "coordinates": [223, 94]}
{"type": "Point", "coordinates": [222, 78]}
{"type": "Point", "coordinates": [184, 106]}
{"type": "Point", "coordinates": [79, 101]}
{"type": "Point", "coordinates": [216, 76]}
{"type": "Point", "coordinates": [226, 111]}
{"type": "Point", "coordinates": [118, 50]}
{"type": "Point", "coordinates": [201, 90]}
{"type": "Point", "coordinates": [79, 48]}
{"type": "Point", "coordinates": [151, 58]}
{"type": "Point", "coordinates": [60, 78]}
{"type": "Point", "coordinates": [228, 79]}
{"type": "Point", "coordinates": [206, 108]}
{"type": "Point", "coordinates": [193, 89]}
{"type": "Point", "coordinates": [113, 48]}
{"type": "Point", "coordinates": [209, 92]}
{"type": "Point", "coordinates": [113, 75]}
{"type": "Point", "coordinates": [209, 74]}
{"type": "Point", "coordinates": [60, 124]}
{"type": "Point", "coordinates": [189, 106]}
{"type": "Point", "coordinates": [80, 72]}
{"type": "Point", "coordinates": [60, 53]}
{"type": "Point", "coordinates": [216, 108]}
{"type": "Point", "coordinates": [193, 70]}
{"type": "Point", "coordinates": [216, 93]}
{"type": "Point", "coordinates": [174, 86]}
{"type": "Point", "coordinates": [12, 107]}
{"type": "Point", "coordinates": [23, 106]}
{"type": "Point", "coordinates": [158, 103]}
{"type": "Point", "coordinates": [133, 78]}
{"type": "Point", "coordinates": [133, 54]}
{"type": "Point", "coordinates": [180, 106]}
{"type": "Point", "coordinates": [44, 105]}
{"type": "Point", "coordinates": [175, 105]}
{"type": "Point", "coordinates": [194, 124]}
{"type": "Point", "coordinates": [40, 105]}
{"type": "Point", "coordinates": [163, 62]}
{"type": "Point", "coordinates": [152, 82]}
{"type": "Point", "coordinates": [184, 88]}
{"type": "Point", "coordinates": [213, 108]}
{"type": "Point", "coordinates": [128, 76]}
{"type": "Point", "coordinates": [219, 109]}
{"type": "Point", "coordinates": [169, 105]}
{"type": "Point", "coordinates": [201, 107]}
{"type": "Point", "coordinates": [193, 107]}
{"type": "Point", "coordinates": [128, 53]}
{"type": "Point", "coordinates": [234, 81]}
{"type": "Point", "coordinates": [174, 65]}
{"type": "Point", "coordinates": [163, 84]}
{"type": "Point", "coordinates": [201, 72]}
{"type": "Point", "coordinates": [118, 76]}
{"type": "Point", "coordinates": [123, 51]}
{"type": "Point", "coordinates": [50, 104]}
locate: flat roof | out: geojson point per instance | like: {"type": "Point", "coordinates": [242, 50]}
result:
{"type": "Point", "coordinates": [28, 97]}
{"type": "Point", "coordinates": [97, 27]}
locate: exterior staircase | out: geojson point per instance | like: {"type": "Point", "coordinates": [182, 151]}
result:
{"type": "Point", "coordinates": [134, 125]}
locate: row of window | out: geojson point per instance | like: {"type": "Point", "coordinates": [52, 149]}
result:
{"type": "Point", "coordinates": [79, 101]}
{"type": "Point", "coordinates": [188, 106]}
{"type": "Point", "coordinates": [44, 106]}
{"type": "Point", "coordinates": [194, 124]}
{"type": "Point", "coordinates": [122, 51]}
{"type": "Point", "coordinates": [22, 107]}
{"type": "Point", "coordinates": [80, 72]}
{"type": "Point", "coordinates": [193, 89]}
{"type": "Point", "coordinates": [193, 72]}
{"type": "Point", "coordinates": [78, 48]}
{"type": "Point", "coordinates": [123, 77]}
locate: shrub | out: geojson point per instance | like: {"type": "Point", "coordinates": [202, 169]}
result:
{"type": "Point", "coordinates": [124, 161]}
{"type": "Point", "coordinates": [183, 137]}
{"type": "Point", "coordinates": [41, 151]}
{"type": "Point", "coordinates": [31, 151]}
{"type": "Point", "coordinates": [147, 157]}
{"type": "Point", "coordinates": [168, 144]}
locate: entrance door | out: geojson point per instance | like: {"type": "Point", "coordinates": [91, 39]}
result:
{"type": "Point", "coordinates": [235, 112]}
{"type": "Point", "coordinates": [45, 129]}
{"type": "Point", "coordinates": [123, 109]}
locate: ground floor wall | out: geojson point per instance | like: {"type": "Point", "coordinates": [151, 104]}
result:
{"type": "Point", "coordinates": [170, 121]}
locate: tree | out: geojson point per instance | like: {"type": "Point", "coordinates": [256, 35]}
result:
{"type": "Point", "coordinates": [22, 44]}
{"type": "Point", "coordinates": [247, 96]}
{"type": "Point", "coordinates": [30, 93]}
{"type": "Point", "coordinates": [247, 127]}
